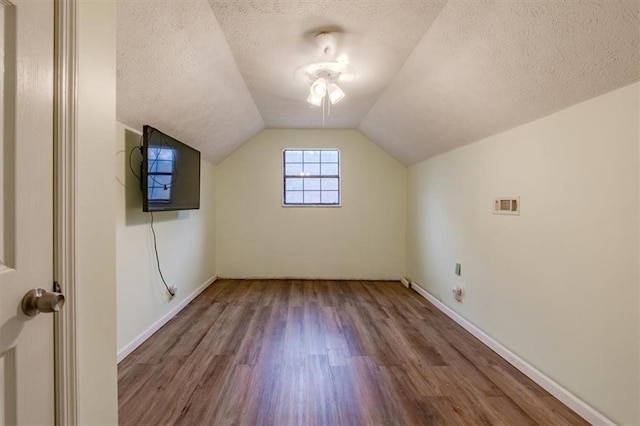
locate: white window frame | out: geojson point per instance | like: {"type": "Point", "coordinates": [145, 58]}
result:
{"type": "Point", "coordinates": [284, 177]}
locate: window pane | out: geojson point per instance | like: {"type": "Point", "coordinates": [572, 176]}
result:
{"type": "Point", "coordinates": [312, 184]}
{"type": "Point", "coordinates": [293, 197]}
{"type": "Point", "coordinates": [300, 167]}
{"type": "Point", "coordinates": [330, 184]}
{"type": "Point", "coordinates": [311, 156]}
{"type": "Point", "coordinates": [161, 154]}
{"type": "Point", "coordinates": [161, 166]}
{"type": "Point", "coordinates": [159, 180]}
{"type": "Point", "coordinates": [159, 194]}
{"type": "Point", "coordinates": [312, 169]}
{"type": "Point", "coordinates": [330, 197]}
{"type": "Point", "coordinates": [312, 197]}
{"type": "Point", "coordinates": [329, 169]}
{"type": "Point", "coordinates": [329, 156]}
{"type": "Point", "coordinates": [293, 156]}
{"type": "Point", "coordinates": [293, 169]}
{"type": "Point", "coordinates": [294, 184]}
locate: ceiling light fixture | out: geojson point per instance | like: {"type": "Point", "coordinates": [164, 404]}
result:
{"type": "Point", "coordinates": [335, 93]}
{"type": "Point", "coordinates": [314, 100]}
{"type": "Point", "coordinates": [325, 74]}
{"type": "Point", "coordinates": [321, 88]}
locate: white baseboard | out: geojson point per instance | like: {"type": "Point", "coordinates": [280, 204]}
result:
{"type": "Point", "coordinates": [309, 278]}
{"type": "Point", "coordinates": [583, 409]}
{"type": "Point", "coordinates": [122, 354]}
{"type": "Point", "coordinates": [405, 282]}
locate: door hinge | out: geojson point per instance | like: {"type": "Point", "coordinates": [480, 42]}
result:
{"type": "Point", "coordinates": [56, 287]}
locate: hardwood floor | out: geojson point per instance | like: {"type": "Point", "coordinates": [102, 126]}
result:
{"type": "Point", "coordinates": [292, 352]}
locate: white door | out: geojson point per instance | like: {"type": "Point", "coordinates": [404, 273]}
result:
{"type": "Point", "coordinates": [26, 209]}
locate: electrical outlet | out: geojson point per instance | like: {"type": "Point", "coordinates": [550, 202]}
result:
{"type": "Point", "coordinates": [458, 293]}
{"type": "Point", "coordinates": [173, 289]}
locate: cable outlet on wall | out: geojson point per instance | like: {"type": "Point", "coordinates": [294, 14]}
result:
{"type": "Point", "coordinates": [458, 293]}
{"type": "Point", "coordinates": [173, 289]}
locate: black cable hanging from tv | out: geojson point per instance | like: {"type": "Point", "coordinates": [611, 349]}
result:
{"type": "Point", "coordinates": [139, 148]}
{"type": "Point", "coordinates": [153, 231]}
{"type": "Point", "coordinates": [155, 248]}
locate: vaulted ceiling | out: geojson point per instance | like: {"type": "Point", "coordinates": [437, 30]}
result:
{"type": "Point", "coordinates": [430, 76]}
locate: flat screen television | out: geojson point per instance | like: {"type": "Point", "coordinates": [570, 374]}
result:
{"type": "Point", "coordinates": [170, 173]}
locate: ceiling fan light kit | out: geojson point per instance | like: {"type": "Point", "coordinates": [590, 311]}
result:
{"type": "Point", "coordinates": [325, 74]}
{"type": "Point", "coordinates": [314, 100]}
{"type": "Point", "coordinates": [336, 94]}
{"type": "Point", "coordinates": [319, 88]}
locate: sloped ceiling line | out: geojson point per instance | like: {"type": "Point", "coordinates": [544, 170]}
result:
{"type": "Point", "coordinates": [175, 71]}
{"type": "Point", "coordinates": [486, 67]}
{"type": "Point", "coordinates": [431, 75]}
{"type": "Point", "coordinates": [271, 39]}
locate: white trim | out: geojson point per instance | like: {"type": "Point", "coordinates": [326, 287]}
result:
{"type": "Point", "coordinates": [122, 354]}
{"type": "Point", "coordinates": [65, 162]}
{"type": "Point", "coordinates": [298, 278]}
{"type": "Point", "coordinates": [339, 205]}
{"type": "Point", "coordinates": [589, 413]}
{"type": "Point", "coordinates": [405, 282]}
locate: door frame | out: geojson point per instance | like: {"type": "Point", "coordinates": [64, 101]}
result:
{"type": "Point", "coordinates": [64, 192]}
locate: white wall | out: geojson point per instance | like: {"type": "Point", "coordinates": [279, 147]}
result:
{"type": "Point", "coordinates": [558, 285]}
{"type": "Point", "coordinates": [95, 214]}
{"type": "Point", "coordinates": [186, 246]}
{"type": "Point", "coordinates": [257, 237]}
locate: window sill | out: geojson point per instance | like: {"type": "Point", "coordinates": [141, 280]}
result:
{"type": "Point", "coordinates": [331, 206]}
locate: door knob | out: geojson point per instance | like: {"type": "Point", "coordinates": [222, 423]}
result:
{"type": "Point", "coordinates": [39, 300]}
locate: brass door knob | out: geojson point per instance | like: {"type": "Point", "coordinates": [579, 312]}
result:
{"type": "Point", "coordinates": [39, 300]}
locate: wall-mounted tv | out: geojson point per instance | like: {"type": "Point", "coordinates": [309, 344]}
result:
{"type": "Point", "coordinates": [170, 173]}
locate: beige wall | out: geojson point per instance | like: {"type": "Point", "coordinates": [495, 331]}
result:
{"type": "Point", "coordinates": [186, 246]}
{"type": "Point", "coordinates": [558, 285]}
{"type": "Point", "coordinates": [95, 214]}
{"type": "Point", "coordinates": [257, 237]}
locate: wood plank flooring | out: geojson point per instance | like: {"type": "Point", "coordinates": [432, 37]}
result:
{"type": "Point", "coordinates": [293, 352]}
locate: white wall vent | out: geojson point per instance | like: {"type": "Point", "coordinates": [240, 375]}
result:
{"type": "Point", "coordinates": [506, 205]}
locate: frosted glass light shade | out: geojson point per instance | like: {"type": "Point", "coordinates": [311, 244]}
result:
{"type": "Point", "coordinates": [314, 100]}
{"type": "Point", "coordinates": [319, 88]}
{"type": "Point", "coordinates": [335, 93]}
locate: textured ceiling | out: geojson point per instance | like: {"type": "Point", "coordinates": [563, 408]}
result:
{"type": "Point", "coordinates": [175, 72]}
{"type": "Point", "coordinates": [430, 75]}
{"type": "Point", "coordinates": [271, 39]}
{"type": "Point", "coordinates": [488, 66]}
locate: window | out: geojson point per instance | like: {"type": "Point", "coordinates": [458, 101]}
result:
{"type": "Point", "coordinates": [160, 174]}
{"type": "Point", "coordinates": [311, 177]}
